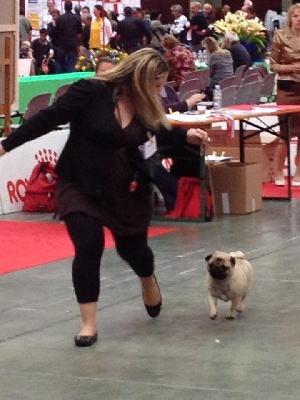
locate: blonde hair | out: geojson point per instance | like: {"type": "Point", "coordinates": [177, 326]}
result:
{"type": "Point", "coordinates": [291, 11]}
{"type": "Point", "coordinates": [213, 46]}
{"type": "Point", "coordinates": [137, 75]}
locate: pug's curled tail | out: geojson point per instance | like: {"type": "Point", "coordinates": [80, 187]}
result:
{"type": "Point", "coordinates": [237, 254]}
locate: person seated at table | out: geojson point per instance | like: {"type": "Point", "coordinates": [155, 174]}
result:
{"type": "Point", "coordinates": [285, 61]}
{"type": "Point", "coordinates": [185, 161]}
{"type": "Point", "coordinates": [220, 63]}
{"type": "Point", "coordinates": [239, 54]}
{"type": "Point", "coordinates": [172, 103]}
{"type": "Point", "coordinates": [181, 61]}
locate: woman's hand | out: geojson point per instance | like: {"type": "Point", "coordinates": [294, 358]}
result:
{"type": "Point", "coordinates": [194, 99]}
{"type": "Point", "coordinates": [296, 68]}
{"type": "Point", "coordinates": [197, 137]}
{"type": "Point", "coordinates": [2, 151]}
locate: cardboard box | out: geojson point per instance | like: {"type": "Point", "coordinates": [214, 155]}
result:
{"type": "Point", "coordinates": [269, 161]}
{"type": "Point", "coordinates": [236, 188]}
{"type": "Point", "coordinates": [255, 151]}
{"type": "Point", "coordinates": [219, 138]}
{"type": "Point", "coordinates": [252, 154]}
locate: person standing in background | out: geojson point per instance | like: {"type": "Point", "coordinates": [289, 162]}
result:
{"type": "Point", "coordinates": [199, 26]}
{"type": "Point", "coordinates": [131, 32]}
{"type": "Point", "coordinates": [285, 61]}
{"type": "Point", "coordinates": [77, 10]}
{"type": "Point", "coordinates": [180, 24]}
{"type": "Point", "coordinates": [46, 17]}
{"type": "Point", "coordinates": [25, 27]}
{"type": "Point", "coordinates": [85, 10]}
{"type": "Point", "coordinates": [157, 29]}
{"type": "Point", "coordinates": [69, 35]}
{"type": "Point", "coordinates": [139, 14]}
{"type": "Point", "coordinates": [208, 12]}
{"type": "Point", "coordinates": [101, 30]}
{"type": "Point", "coordinates": [51, 29]}
{"type": "Point", "coordinates": [86, 20]}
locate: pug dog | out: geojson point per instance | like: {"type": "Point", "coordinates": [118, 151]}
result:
{"type": "Point", "coordinates": [229, 279]}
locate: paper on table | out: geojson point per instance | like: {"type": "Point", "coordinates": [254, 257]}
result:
{"type": "Point", "coordinates": [218, 158]}
{"type": "Point", "coordinates": [188, 118]}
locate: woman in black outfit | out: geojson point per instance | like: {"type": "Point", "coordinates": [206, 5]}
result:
{"type": "Point", "coordinates": [103, 176]}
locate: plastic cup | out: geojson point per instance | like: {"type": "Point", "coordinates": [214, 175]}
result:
{"type": "Point", "coordinates": [201, 108]}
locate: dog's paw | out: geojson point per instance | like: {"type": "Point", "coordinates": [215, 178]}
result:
{"type": "Point", "coordinates": [239, 310]}
{"type": "Point", "coordinates": [213, 316]}
{"type": "Point", "coordinates": [230, 317]}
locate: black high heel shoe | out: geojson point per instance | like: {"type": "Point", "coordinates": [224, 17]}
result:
{"type": "Point", "coordinates": [85, 341]}
{"type": "Point", "coordinates": [154, 311]}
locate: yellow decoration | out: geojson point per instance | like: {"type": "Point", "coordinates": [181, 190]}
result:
{"type": "Point", "coordinates": [89, 62]}
{"type": "Point", "coordinates": [248, 30]}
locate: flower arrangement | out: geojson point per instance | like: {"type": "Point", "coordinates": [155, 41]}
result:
{"type": "Point", "coordinates": [249, 31]}
{"type": "Point", "coordinates": [88, 61]}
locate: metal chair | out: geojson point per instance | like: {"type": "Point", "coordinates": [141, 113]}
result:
{"type": "Point", "coordinates": [229, 95]}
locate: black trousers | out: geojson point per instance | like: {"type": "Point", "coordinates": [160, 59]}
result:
{"type": "Point", "coordinates": [87, 235]}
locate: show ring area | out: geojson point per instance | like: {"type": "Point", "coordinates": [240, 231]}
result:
{"type": "Point", "coordinates": [237, 188]}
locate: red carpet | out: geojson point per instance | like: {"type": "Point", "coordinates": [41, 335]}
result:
{"type": "Point", "coordinates": [269, 189]}
{"type": "Point", "coordinates": [28, 244]}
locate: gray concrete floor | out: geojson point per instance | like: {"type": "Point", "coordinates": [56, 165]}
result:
{"type": "Point", "coordinates": [180, 355]}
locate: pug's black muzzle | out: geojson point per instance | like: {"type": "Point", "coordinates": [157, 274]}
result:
{"type": "Point", "coordinates": [217, 272]}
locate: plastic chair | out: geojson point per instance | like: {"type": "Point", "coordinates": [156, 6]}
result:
{"type": "Point", "coordinates": [249, 93]}
{"type": "Point", "coordinates": [260, 69]}
{"type": "Point", "coordinates": [268, 84]}
{"type": "Point", "coordinates": [253, 77]}
{"type": "Point", "coordinates": [186, 95]}
{"type": "Point", "coordinates": [170, 83]}
{"type": "Point", "coordinates": [187, 86]}
{"type": "Point", "coordinates": [226, 82]}
{"type": "Point", "coordinates": [199, 74]}
{"type": "Point", "coordinates": [61, 90]}
{"type": "Point", "coordinates": [36, 104]}
{"type": "Point", "coordinates": [229, 95]}
{"type": "Point", "coordinates": [239, 72]}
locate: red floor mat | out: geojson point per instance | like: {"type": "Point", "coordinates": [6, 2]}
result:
{"type": "Point", "coordinates": [269, 189]}
{"type": "Point", "coordinates": [28, 244]}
